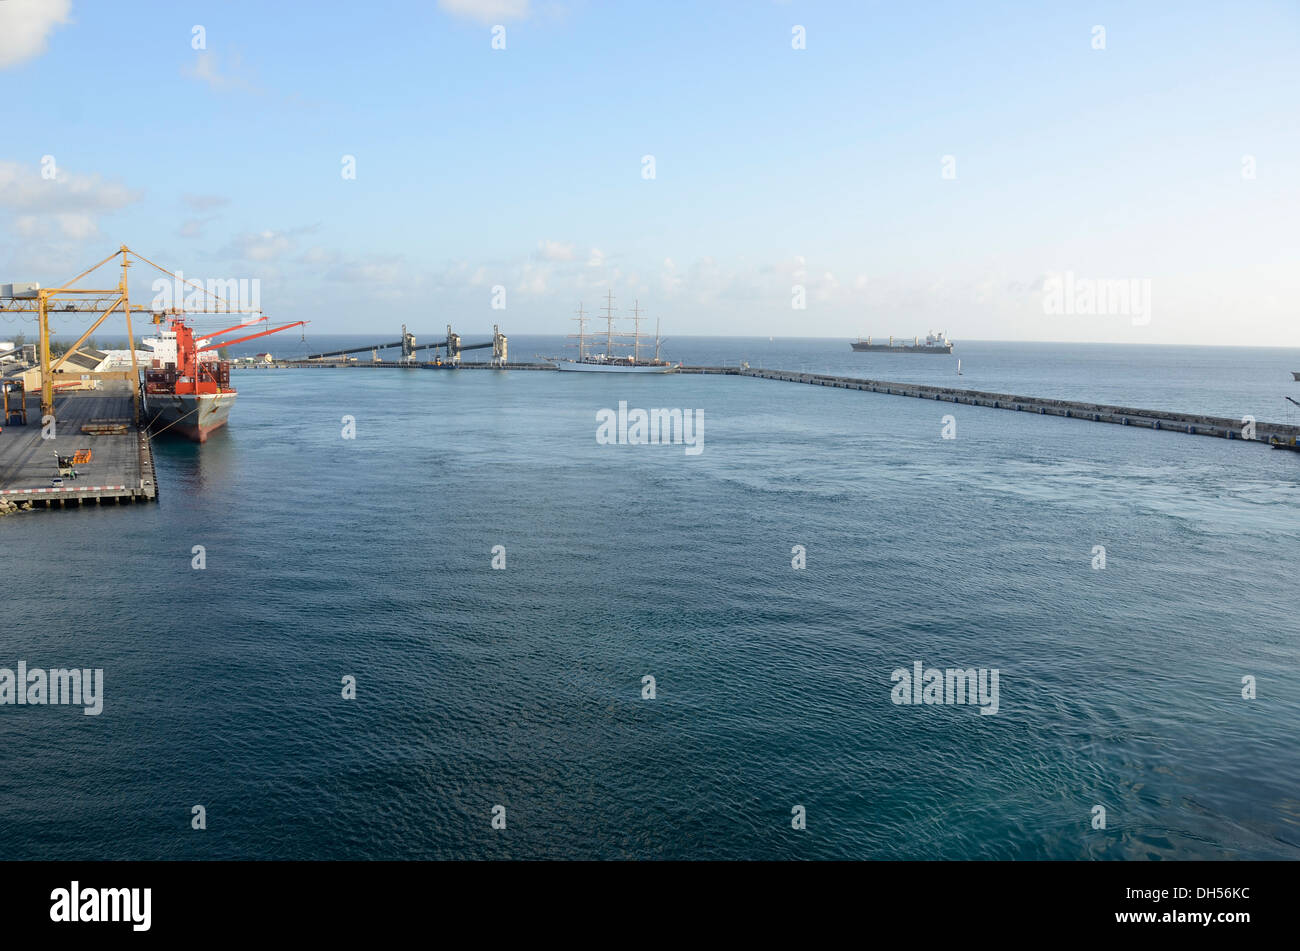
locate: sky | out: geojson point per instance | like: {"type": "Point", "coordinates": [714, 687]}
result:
{"type": "Point", "coordinates": [819, 168]}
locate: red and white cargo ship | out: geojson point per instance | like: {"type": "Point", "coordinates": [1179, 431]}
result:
{"type": "Point", "coordinates": [187, 388]}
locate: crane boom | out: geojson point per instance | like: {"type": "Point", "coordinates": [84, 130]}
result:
{"type": "Point", "coordinates": [231, 343]}
{"type": "Point", "coordinates": [247, 323]}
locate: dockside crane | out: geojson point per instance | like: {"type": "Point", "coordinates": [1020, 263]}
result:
{"type": "Point", "coordinates": [231, 343]}
{"type": "Point", "coordinates": [70, 298]}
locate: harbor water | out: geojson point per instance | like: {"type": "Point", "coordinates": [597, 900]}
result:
{"type": "Point", "coordinates": [348, 522]}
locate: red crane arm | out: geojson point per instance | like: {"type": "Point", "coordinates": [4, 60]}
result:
{"type": "Point", "coordinates": [228, 329]}
{"type": "Point", "coordinates": [231, 343]}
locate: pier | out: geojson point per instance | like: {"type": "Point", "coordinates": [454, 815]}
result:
{"type": "Point", "coordinates": [98, 426]}
{"type": "Point", "coordinates": [1222, 427]}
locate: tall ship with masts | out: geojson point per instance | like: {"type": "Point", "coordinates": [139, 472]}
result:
{"type": "Point", "coordinates": [593, 359]}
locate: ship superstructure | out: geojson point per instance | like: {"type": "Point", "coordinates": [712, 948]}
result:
{"type": "Point", "coordinates": [187, 386]}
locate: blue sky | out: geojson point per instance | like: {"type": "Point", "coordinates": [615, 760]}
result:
{"type": "Point", "coordinates": [774, 167]}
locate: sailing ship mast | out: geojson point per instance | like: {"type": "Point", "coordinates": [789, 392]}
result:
{"type": "Point", "coordinates": [636, 331]}
{"type": "Point", "coordinates": [581, 334]}
{"type": "Point", "coordinates": [609, 324]}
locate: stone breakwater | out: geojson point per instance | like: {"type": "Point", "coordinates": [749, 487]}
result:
{"type": "Point", "coordinates": [8, 507]}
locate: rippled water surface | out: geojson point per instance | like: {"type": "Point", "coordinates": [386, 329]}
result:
{"type": "Point", "coordinates": [476, 687]}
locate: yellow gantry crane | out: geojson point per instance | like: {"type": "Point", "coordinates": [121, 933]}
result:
{"type": "Point", "coordinates": [45, 301]}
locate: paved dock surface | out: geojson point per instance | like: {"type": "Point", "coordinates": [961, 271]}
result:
{"type": "Point", "coordinates": [121, 466]}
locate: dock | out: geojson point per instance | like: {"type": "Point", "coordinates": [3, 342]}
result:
{"type": "Point", "coordinates": [121, 466]}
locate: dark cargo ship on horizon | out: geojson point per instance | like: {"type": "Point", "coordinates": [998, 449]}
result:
{"type": "Point", "coordinates": [934, 343]}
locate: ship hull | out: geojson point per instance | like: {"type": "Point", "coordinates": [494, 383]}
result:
{"type": "Point", "coordinates": [885, 348]}
{"type": "Point", "coordinates": [189, 417]}
{"type": "Point", "coordinates": [571, 366]}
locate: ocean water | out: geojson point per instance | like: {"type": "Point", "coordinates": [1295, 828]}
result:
{"type": "Point", "coordinates": [1224, 381]}
{"type": "Point", "coordinates": [371, 557]}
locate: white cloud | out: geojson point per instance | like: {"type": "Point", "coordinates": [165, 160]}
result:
{"type": "Point", "coordinates": [77, 226]}
{"type": "Point", "coordinates": [722, 291]}
{"type": "Point", "coordinates": [319, 257]}
{"type": "Point", "coordinates": [26, 25]}
{"type": "Point", "coordinates": [827, 288]}
{"type": "Point", "coordinates": [369, 271]}
{"type": "Point", "coordinates": [373, 269]}
{"type": "Point", "coordinates": [669, 280]}
{"type": "Point", "coordinates": [207, 69]}
{"type": "Point", "coordinates": [205, 202]}
{"type": "Point", "coordinates": [554, 251]}
{"type": "Point", "coordinates": [534, 281]}
{"type": "Point", "coordinates": [23, 189]}
{"type": "Point", "coordinates": [74, 225]}
{"type": "Point", "coordinates": [268, 245]}
{"type": "Point", "coordinates": [486, 11]}
{"type": "Point", "coordinates": [68, 204]}
{"type": "Point", "coordinates": [260, 246]}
